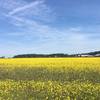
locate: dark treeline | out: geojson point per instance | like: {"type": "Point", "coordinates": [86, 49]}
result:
{"type": "Point", "coordinates": [90, 54]}
{"type": "Point", "coordinates": [40, 55]}
{"type": "Point", "coordinates": [2, 57]}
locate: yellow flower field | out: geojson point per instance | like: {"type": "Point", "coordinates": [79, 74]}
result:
{"type": "Point", "coordinates": [50, 79]}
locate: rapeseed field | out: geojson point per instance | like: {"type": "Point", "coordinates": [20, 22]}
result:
{"type": "Point", "coordinates": [50, 79]}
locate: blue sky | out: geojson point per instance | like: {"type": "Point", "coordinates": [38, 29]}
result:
{"type": "Point", "coordinates": [49, 26]}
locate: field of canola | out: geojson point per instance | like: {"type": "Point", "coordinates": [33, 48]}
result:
{"type": "Point", "coordinates": [50, 79]}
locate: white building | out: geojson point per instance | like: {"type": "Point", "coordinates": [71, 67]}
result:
{"type": "Point", "coordinates": [97, 55]}
{"type": "Point", "coordinates": [86, 55]}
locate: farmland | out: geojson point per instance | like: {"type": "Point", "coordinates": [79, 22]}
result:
{"type": "Point", "coordinates": [50, 79]}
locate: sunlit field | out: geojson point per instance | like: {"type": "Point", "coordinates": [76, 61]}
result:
{"type": "Point", "coordinates": [50, 79]}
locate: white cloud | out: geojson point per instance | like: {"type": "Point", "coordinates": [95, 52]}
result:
{"type": "Point", "coordinates": [25, 7]}
{"type": "Point", "coordinates": [29, 16]}
{"type": "Point", "coordinates": [36, 10]}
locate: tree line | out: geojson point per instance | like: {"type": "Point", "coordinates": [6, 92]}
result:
{"type": "Point", "coordinates": [40, 55]}
{"type": "Point", "coordinates": [96, 53]}
{"type": "Point", "coordinates": [56, 55]}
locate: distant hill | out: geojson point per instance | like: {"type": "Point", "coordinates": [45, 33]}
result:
{"type": "Point", "coordinates": [89, 54]}
{"type": "Point", "coordinates": [94, 53]}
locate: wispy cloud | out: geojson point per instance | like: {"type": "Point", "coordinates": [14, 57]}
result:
{"type": "Point", "coordinates": [29, 16]}
{"type": "Point", "coordinates": [25, 7]}
{"type": "Point", "coordinates": [37, 10]}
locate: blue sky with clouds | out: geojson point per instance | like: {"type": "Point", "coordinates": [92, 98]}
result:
{"type": "Point", "coordinates": [49, 26]}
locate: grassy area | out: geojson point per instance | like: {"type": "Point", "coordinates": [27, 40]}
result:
{"type": "Point", "coordinates": [50, 79]}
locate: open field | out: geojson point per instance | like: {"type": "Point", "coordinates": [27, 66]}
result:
{"type": "Point", "coordinates": [50, 79]}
